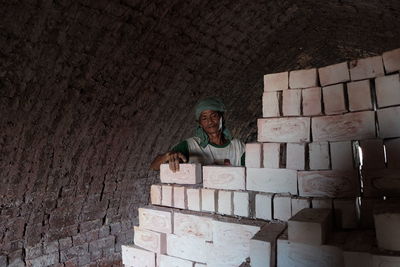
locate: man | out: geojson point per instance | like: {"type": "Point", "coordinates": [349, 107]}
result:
{"type": "Point", "coordinates": [212, 143]}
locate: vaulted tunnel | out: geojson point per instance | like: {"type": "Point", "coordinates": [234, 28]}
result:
{"type": "Point", "coordinates": [92, 91]}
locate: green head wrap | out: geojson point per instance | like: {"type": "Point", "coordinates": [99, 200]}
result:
{"type": "Point", "coordinates": [210, 103]}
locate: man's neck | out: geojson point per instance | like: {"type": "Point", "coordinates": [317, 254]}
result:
{"type": "Point", "coordinates": [217, 138]}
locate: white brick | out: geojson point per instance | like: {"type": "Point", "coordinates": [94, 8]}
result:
{"type": "Point", "coordinates": [303, 78]}
{"type": "Point", "coordinates": [387, 90]}
{"type": "Point", "coordinates": [229, 232]}
{"type": "Point", "coordinates": [264, 206]}
{"type": "Point", "coordinates": [192, 225]}
{"type": "Point", "coordinates": [270, 104]}
{"type": "Point", "coordinates": [282, 207]}
{"type": "Point", "coordinates": [156, 220]}
{"type": "Point", "coordinates": [254, 155]}
{"type": "Point", "coordinates": [167, 195]}
{"type": "Point", "coordinates": [294, 130]}
{"type": "Point", "coordinates": [233, 240]}
{"type": "Point", "coordinates": [168, 261]}
{"type": "Point", "coordinates": [322, 203]}
{"type": "Point", "coordinates": [334, 102]}
{"type": "Point", "coordinates": [342, 155]}
{"type": "Point", "coordinates": [224, 177]}
{"type": "Point", "coordinates": [271, 155]}
{"type": "Point", "coordinates": [366, 68]}
{"type": "Point", "coordinates": [225, 202]}
{"type": "Point", "coordinates": [319, 156]}
{"type": "Point", "coordinates": [155, 194]}
{"type": "Point", "coordinates": [187, 247]}
{"type": "Point", "coordinates": [200, 264]}
{"type": "Point", "coordinates": [312, 101]}
{"type": "Point", "coordinates": [310, 226]}
{"type": "Point", "coordinates": [332, 74]}
{"type": "Point", "coordinates": [359, 94]}
{"type": "Point", "coordinates": [208, 200]}
{"type": "Point", "coordinates": [193, 199]}
{"type": "Point", "coordinates": [295, 156]}
{"type": "Point", "coordinates": [276, 81]}
{"type": "Point", "coordinates": [385, 261]}
{"type": "Point", "coordinates": [230, 255]}
{"type": "Point", "coordinates": [350, 126]}
{"type": "Point", "coordinates": [187, 174]}
{"type": "Point", "coordinates": [134, 256]}
{"type": "Point", "coordinates": [384, 182]}
{"type": "Point", "coordinates": [388, 120]}
{"type": "Point", "coordinates": [150, 240]}
{"type": "Point", "coordinates": [180, 197]}
{"type": "Point", "coordinates": [263, 245]}
{"type": "Point", "coordinates": [241, 204]}
{"type": "Point", "coordinates": [345, 213]}
{"type": "Point", "coordinates": [299, 203]}
{"type": "Point", "coordinates": [231, 244]}
{"type": "Point", "coordinates": [393, 153]}
{"type": "Point", "coordinates": [303, 255]}
{"type": "Point", "coordinates": [387, 221]}
{"type": "Point", "coordinates": [272, 180]}
{"type": "Point", "coordinates": [391, 60]}
{"type": "Point", "coordinates": [291, 102]}
{"type": "Point", "coordinates": [373, 154]}
{"type": "Point", "coordinates": [328, 183]}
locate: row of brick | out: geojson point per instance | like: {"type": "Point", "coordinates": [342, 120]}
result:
{"type": "Point", "coordinates": [333, 99]}
{"type": "Point", "coordinates": [224, 202]}
{"type": "Point", "coordinates": [264, 206]}
{"type": "Point", "coordinates": [322, 183]}
{"type": "Point", "coordinates": [302, 156]}
{"type": "Point", "coordinates": [376, 154]}
{"type": "Point", "coordinates": [350, 126]}
{"type": "Point", "coordinates": [192, 237]}
{"type": "Point", "coordinates": [355, 70]}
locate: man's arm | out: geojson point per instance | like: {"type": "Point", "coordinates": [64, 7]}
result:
{"type": "Point", "coordinates": [177, 154]}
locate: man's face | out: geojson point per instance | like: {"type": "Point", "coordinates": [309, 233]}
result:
{"type": "Point", "coordinates": [209, 121]}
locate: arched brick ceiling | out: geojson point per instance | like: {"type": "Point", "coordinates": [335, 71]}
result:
{"type": "Point", "coordinates": [91, 91]}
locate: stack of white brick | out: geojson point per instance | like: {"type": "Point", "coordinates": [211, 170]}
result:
{"type": "Point", "coordinates": [171, 237]}
{"type": "Point", "coordinates": [189, 234]}
{"type": "Point", "coordinates": [314, 124]}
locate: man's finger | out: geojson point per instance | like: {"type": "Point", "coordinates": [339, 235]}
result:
{"type": "Point", "coordinates": [176, 163]}
{"type": "Point", "coordinates": [182, 157]}
{"type": "Point", "coordinates": [171, 164]}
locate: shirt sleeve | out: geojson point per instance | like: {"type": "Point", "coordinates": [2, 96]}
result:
{"type": "Point", "coordinates": [183, 148]}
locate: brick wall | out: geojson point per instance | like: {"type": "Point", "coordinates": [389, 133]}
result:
{"type": "Point", "coordinates": [84, 90]}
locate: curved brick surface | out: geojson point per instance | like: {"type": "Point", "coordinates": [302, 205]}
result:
{"type": "Point", "coordinates": [92, 90]}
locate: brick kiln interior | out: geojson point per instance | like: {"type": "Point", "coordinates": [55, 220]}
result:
{"type": "Point", "coordinates": [92, 90]}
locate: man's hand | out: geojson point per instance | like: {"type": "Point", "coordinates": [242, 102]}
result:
{"type": "Point", "coordinates": [173, 158]}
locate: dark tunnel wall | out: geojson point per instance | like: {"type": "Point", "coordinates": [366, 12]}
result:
{"type": "Point", "coordinates": [91, 91]}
